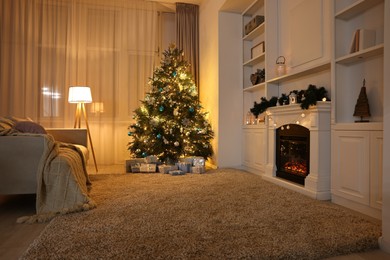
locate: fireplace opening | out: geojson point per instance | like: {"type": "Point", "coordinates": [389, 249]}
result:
{"type": "Point", "coordinates": [293, 153]}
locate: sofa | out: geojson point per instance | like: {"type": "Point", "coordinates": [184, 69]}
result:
{"type": "Point", "coordinates": [21, 155]}
{"type": "Point", "coordinates": [50, 163]}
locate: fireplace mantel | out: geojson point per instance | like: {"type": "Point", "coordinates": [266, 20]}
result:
{"type": "Point", "coordinates": [317, 120]}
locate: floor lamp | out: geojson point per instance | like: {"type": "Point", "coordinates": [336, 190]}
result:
{"type": "Point", "coordinates": [81, 95]}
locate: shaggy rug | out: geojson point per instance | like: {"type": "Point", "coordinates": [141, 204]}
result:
{"type": "Point", "coordinates": [223, 214]}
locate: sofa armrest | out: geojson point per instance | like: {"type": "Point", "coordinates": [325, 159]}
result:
{"type": "Point", "coordinates": [20, 157]}
{"type": "Point", "coordinates": [69, 135]}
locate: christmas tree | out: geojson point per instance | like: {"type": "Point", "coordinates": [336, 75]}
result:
{"type": "Point", "coordinates": [170, 123]}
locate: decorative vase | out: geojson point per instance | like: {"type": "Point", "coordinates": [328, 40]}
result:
{"type": "Point", "coordinates": [280, 66]}
{"type": "Point", "coordinates": [254, 78]}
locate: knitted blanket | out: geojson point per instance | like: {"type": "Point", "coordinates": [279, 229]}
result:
{"type": "Point", "coordinates": [62, 180]}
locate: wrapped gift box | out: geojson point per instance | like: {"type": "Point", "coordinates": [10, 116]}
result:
{"type": "Point", "coordinates": [189, 160]}
{"type": "Point", "coordinates": [199, 161]}
{"type": "Point", "coordinates": [166, 168]}
{"type": "Point", "coordinates": [136, 167]}
{"type": "Point", "coordinates": [151, 159]}
{"type": "Point", "coordinates": [198, 169]}
{"type": "Point", "coordinates": [148, 167]}
{"type": "Point", "coordinates": [176, 172]}
{"type": "Point", "coordinates": [133, 161]}
{"type": "Point", "coordinates": [184, 166]}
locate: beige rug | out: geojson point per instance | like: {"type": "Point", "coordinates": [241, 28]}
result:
{"type": "Point", "coordinates": [223, 214]}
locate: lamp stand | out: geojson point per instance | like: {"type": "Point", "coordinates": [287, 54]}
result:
{"type": "Point", "coordinates": [77, 123]}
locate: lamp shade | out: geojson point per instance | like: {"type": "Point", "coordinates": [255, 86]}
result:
{"type": "Point", "coordinates": [79, 94]}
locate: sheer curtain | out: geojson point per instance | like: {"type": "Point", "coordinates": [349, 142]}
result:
{"type": "Point", "coordinates": [49, 45]}
{"type": "Point", "coordinates": [187, 35]}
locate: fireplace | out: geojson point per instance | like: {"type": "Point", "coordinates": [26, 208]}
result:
{"type": "Point", "coordinates": [304, 164]}
{"type": "Point", "coordinates": [293, 153]}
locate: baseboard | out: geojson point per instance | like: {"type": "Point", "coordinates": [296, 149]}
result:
{"type": "Point", "coordinates": [364, 209]}
{"type": "Point", "coordinates": [384, 244]}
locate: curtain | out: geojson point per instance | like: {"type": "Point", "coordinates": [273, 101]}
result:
{"type": "Point", "coordinates": [48, 45]}
{"type": "Point", "coordinates": [187, 35]}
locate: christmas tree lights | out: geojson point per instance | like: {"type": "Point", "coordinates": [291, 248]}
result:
{"type": "Point", "coordinates": [171, 123]}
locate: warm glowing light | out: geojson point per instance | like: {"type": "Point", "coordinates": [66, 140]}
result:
{"type": "Point", "coordinates": [80, 94]}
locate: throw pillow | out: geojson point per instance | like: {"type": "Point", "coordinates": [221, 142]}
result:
{"type": "Point", "coordinates": [6, 123]}
{"type": "Point", "coordinates": [29, 127]}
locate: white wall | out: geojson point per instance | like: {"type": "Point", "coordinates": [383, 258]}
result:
{"type": "Point", "coordinates": [220, 79]}
{"type": "Point", "coordinates": [230, 90]}
{"type": "Point", "coordinates": [385, 239]}
{"type": "Point", "coordinates": [208, 64]}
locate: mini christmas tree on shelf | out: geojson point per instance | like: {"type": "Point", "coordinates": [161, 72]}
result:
{"type": "Point", "coordinates": [170, 123]}
{"type": "Point", "coordinates": [362, 108]}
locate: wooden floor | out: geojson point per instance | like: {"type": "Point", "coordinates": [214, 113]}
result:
{"type": "Point", "coordinates": [15, 238]}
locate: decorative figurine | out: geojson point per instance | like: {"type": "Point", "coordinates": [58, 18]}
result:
{"type": "Point", "coordinates": [362, 108]}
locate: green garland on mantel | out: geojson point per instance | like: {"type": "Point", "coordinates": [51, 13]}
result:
{"type": "Point", "coordinates": [306, 98]}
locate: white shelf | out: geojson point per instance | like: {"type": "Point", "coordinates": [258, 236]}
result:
{"type": "Point", "coordinates": [252, 8]}
{"type": "Point", "coordinates": [369, 126]}
{"type": "Point", "coordinates": [260, 125]}
{"type": "Point", "coordinates": [363, 54]}
{"type": "Point", "coordinates": [255, 87]}
{"type": "Point", "coordinates": [356, 8]}
{"type": "Point", "coordinates": [255, 60]}
{"type": "Point", "coordinates": [297, 74]}
{"type": "Point", "coordinates": [255, 33]}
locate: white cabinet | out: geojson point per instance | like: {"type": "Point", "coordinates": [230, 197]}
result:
{"type": "Point", "coordinates": [351, 164]}
{"type": "Point", "coordinates": [253, 55]}
{"type": "Point", "coordinates": [356, 169]}
{"type": "Point", "coordinates": [366, 63]}
{"type": "Point", "coordinates": [376, 169]}
{"type": "Point", "coordinates": [357, 147]}
{"type": "Point", "coordinates": [253, 153]}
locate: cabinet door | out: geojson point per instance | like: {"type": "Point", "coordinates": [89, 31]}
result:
{"type": "Point", "coordinates": [247, 154]}
{"type": "Point", "coordinates": [258, 149]}
{"type": "Point", "coordinates": [350, 165]}
{"type": "Point", "coordinates": [253, 148]}
{"type": "Point", "coordinates": [376, 162]}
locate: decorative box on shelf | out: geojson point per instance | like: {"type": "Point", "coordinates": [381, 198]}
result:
{"type": "Point", "coordinates": [256, 21]}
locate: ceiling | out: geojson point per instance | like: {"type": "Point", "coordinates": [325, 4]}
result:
{"type": "Point", "coordinates": [197, 2]}
{"type": "Point", "coordinates": [236, 6]}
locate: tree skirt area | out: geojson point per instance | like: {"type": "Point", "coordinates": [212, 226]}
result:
{"type": "Point", "coordinates": [222, 214]}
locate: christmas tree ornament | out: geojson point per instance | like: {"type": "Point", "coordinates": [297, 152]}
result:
{"type": "Point", "coordinates": [176, 112]}
{"type": "Point", "coordinates": [170, 122]}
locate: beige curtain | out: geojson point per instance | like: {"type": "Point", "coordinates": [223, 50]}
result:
{"type": "Point", "coordinates": [48, 45]}
{"type": "Point", "coordinates": [187, 35]}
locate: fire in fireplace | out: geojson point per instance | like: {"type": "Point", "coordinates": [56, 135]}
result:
{"type": "Point", "coordinates": [293, 153]}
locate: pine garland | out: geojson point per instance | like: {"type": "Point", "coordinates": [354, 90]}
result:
{"type": "Point", "coordinates": [306, 98]}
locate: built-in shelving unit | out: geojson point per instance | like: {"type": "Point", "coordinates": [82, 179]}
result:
{"type": "Point", "coordinates": [254, 132]}
{"type": "Point", "coordinates": [358, 185]}
{"type": "Point", "coordinates": [300, 73]}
